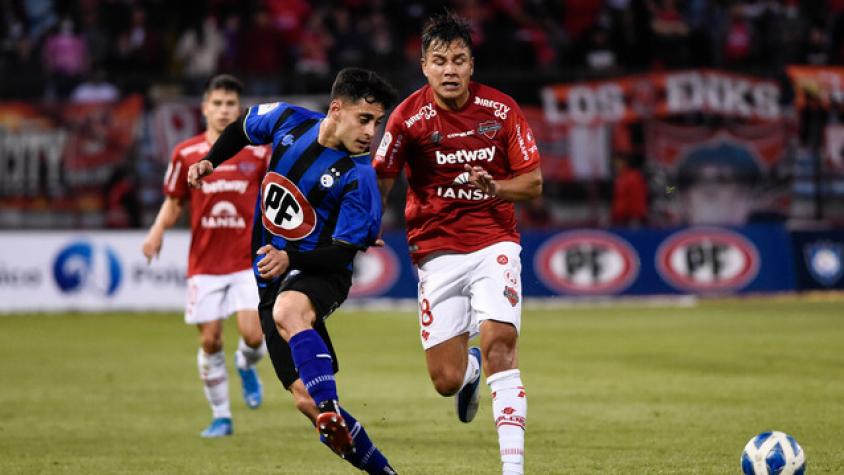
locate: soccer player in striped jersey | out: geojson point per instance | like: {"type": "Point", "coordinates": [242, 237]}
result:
{"type": "Point", "coordinates": [319, 205]}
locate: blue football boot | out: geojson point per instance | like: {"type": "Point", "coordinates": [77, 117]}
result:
{"type": "Point", "coordinates": [468, 397]}
{"type": "Point", "coordinates": [252, 390]}
{"type": "Point", "coordinates": [220, 427]}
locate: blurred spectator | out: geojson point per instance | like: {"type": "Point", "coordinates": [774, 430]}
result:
{"type": "Point", "coordinates": [263, 66]}
{"type": "Point", "coordinates": [384, 53]}
{"type": "Point", "coordinates": [312, 64]}
{"type": "Point", "coordinates": [738, 40]}
{"type": "Point", "coordinates": [784, 35]}
{"type": "Point", "coordinates": [289, 17]}
{"type": "Point", "coordinates": [40, 16]}
{"type": "Point", "coordinates": [630, 195]}
{"type": "Point", "coordinates": [143, 42]}
{"type": "Point", "coordinates": [349, 41]}
{"type": "Point", "coordinates": [95, 89]}
{"type": "Point", "coordinates": [199, 50]}
{"type": "Point", "coordinates": [670, 32]}
{"type": "Point", "coordinates": [816, 46]}
{"type": "Point", "coordinates": [599, 54]}
{"type": "Point", "coordinates": [65, 58]}
{"type": "Point", "coordinates": [95, 36]}
{"type": "Point", "coordinates": [232, 39]}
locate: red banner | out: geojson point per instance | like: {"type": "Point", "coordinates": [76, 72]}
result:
{"type": "Point", "coordinates": [657, 95]}
{"type": "Point", "coordinates": [702, 175]}
{"type": "Point", "coordinates": [61, 163]}
{"type": "Point", "coordinates": [823, 84]}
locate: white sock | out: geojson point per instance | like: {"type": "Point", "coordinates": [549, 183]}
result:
{"type": "Point", "coordinates": [472, 370]}
{"type": "Point", "coordinates": [215, 379]}
{"type": "Point", "coordinates": [246, 356]}
{"type": "Point", "coordinates": [509, 410]}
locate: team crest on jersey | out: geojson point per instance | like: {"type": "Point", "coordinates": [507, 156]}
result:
{"type": "Point", "coordinates": [287, 140]}
{"type": "Point", "coordinates": [285, 212]}
{"type": "Point", "coordinates": [326, 181]}
{"type": "Point", "coordinates": [330, 177]}
{"type": "Point", "coordinates": [489, 128]}
{"type": "Point", "coordinates": [247, 167]}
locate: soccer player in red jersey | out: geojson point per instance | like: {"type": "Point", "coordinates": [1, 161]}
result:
{"type": "Point", "coordinates": [220, 280]}
{"type": "Point", "coordinates": [468, 154]}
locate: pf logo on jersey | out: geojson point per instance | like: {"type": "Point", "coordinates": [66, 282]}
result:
{"type": "Point", "coordinates": [587, 262]}
{"type": "Point", "coordinates": [285, 211]}
{"type": "Point", "coordinates": [707, 260]}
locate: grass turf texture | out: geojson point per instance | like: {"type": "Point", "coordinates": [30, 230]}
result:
{"type": "Point", "coordinates": [620, 389]}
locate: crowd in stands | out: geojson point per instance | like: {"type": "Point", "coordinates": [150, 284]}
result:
{"type": "Point", "coordinates": [51, 49]}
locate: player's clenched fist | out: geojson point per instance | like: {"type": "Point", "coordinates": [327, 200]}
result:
{"type": "Point", "coordinates": [197, 171]}
{"type": "Point", "coordinates": [273, 264]}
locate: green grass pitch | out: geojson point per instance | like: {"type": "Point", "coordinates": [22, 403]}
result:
{"type": "Point", "coordinates": [611, 389]}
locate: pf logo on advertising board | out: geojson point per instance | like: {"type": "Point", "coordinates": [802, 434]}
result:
{"type": "Point", "coordinates": [81, 266]}
{"type": "Point", "coordinates": [707, 260]}
{"type": "Point", "coordinates": [285, 210]}
{"type": "Point", "coordinates": [375, 272]}
{"type": "Point", "coordinates": [587, 262]}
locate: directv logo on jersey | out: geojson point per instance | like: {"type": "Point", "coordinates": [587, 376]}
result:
{"type": "Point", "coordinates": [427, 111]}
{"type": "Point", "coordinates": [220, 186]}
{"type": "Point", "coordinates": [500, 109]}
{"type": "Point", "coordinates": [466, 156]}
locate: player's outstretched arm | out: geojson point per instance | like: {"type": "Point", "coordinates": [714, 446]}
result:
{"type": "Point", "coordinates": [168, 214]}
{"type": "Point", "coordinates": [325, 259]}
{"type": "Point", "coordinates": [231, 141]}
{"type": "Point", "coordinates": [526, 186]}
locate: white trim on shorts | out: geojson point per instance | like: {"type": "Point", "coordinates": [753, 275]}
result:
{"type": "Point", "coordinates": [215, 297]}
{"type": "Point", "coordinates": [459, 291]}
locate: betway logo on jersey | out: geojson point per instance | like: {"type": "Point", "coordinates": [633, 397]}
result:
{"type": "Point", "coordinates": [220, 186]}
{"type": "Point", "coordinates": [427, 111]}
{"type": "Point", "coordinates": [223, 215]}
{"type": "Point", "coordinates": [466, 156]}
{"type": "Point", "coordinates": [500, 109]}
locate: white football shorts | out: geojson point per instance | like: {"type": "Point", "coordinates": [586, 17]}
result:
{"type": "Point", "coordinates": [459, 291]}
{"type": "Point", "coordinates": [214, 297]}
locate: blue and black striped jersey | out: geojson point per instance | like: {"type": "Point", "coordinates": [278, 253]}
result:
{"type": "Point", "coordinates": [311, 196]}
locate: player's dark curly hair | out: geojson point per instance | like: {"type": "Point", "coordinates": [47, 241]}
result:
{"type": "Point", "coordinates": [355, 84]}
{"type": "Point", "coordinates": [443, 28]}
{"type": "Point", "coordinates": [226, 82]}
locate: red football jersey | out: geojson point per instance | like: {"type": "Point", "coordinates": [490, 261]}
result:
{"type": "Point", "coordinates": [444, 213]}
{"type": "Point", "coordinates": [222, 209]}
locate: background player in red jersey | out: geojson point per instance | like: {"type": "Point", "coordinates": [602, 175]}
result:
{"type": "Point", "coordinates": [220, 280]}
{"type": "Point", "coordinates": [469, 154]}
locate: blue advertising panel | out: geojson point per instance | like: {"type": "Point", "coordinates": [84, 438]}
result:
{"type": "Point", "coordinates": [819, 259]}
{"type": "Point", "coordinates": [696, 260]}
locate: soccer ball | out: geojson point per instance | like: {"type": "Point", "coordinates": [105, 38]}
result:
{"type": "Point", "coordinates": [773, 453]}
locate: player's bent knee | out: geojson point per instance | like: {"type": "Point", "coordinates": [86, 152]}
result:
{"type": "Point", "coordinates": [447, 381]}
{"type": "Point", "coordinates": [254, 340]}
{"type": "Point", "coordinates": [211, 344]}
